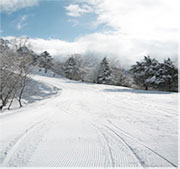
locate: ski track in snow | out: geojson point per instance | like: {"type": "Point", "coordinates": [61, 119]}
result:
{"type": "Point", "coordinates": [117, 129]}
{"type": "Point", "coordinates": [119, 153]}
{"type": "Point", "coordinates": [86, 126]}
{"type": "Point", "coordinates": [116, 132]}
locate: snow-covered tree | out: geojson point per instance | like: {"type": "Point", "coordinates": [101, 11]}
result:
{"type": "Point", "coordinates": [15, 65]}
{"type": "Point", "coordinates": [58, 67]}
{"type": "Point", "coordinates": [25, 52]}
{"type": "Point", "coordinates": [7, 77]}
{"type": "Point", "coordinates": [45, 61]}
{"type": "Point", "coordinates": [88, 66]}
{"type": "Point", "coordinates": [104, 73]}
{"type": "Point", "coordinates": [71, 69]}
{"type": "Point", "coordinates": [3, 45]}
{"type": "Point", "coordinates": [144, 71]}
{"type": "Point", "coordinates": [165, 77]}
{"type": "Point", "coordinates": [151, 73]}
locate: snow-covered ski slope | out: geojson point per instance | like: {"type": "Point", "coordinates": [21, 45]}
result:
{"type": "Point", "coordinates": [90, 125]}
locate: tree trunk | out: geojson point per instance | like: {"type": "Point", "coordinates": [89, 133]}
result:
{"type": "Point", "coordinates": [20, 96]}
{"type": "Point", "coordinates": [20, 104]}
{"type": "Point", "coordinates": [12, 100]}
{"type": "Point", "coordinates": [2, 103]}
{"type": "Point", "coordinates": [146, 87]}
{"type": "Point", "coordinates": [10, 103]}
{"type": "Point", "coordinates": [21, 92]}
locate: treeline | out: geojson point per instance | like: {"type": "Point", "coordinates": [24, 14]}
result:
{"type": "Point", "coordinates": [17, 62]}
{"type": "Point", "coordinates": [91, 69]}
{"type": "Point", "coordinates": [147, 74]}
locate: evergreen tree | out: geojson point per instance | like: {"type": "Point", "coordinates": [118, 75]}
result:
{"type": "Point", "coordinates": [166, 76]}
{"type": "Point", "coordinates": [144, 71]}
{"type": "Point", "coordinates": [27, 54]}
{"type": "Point", "coordinates": [104, 73]}
{"type": "Point", "coordinates": [3, 45]}
{"type": "Point", "coordinates": [71, 69]}
{"type": "Point", "coordinates": [45, 61]}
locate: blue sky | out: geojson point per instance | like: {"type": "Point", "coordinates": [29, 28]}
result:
{"type": "Point", "coordinates": [122, 29]}
{"type": "Point", "coordinates": [47, 20]}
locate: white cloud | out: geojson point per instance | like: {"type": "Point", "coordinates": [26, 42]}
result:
{"type": "Point", "coordinates": [21, 22]}
{"type": "Point", "coordinates": [145, 19]}
{"type": "Point", "coordinates": [55, 46]}
{"type": "Point", "coordinates": [140, 27]}
{"type": "Point", "coordinates": [110, 44]}
{"type": "Point", "coordinates": [13, 5]}
{"type": "Point", "coordinates": [75, 10]}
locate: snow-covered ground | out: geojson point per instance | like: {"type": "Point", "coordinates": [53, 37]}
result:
{"type": "Point", "coordinates": [90, 125]}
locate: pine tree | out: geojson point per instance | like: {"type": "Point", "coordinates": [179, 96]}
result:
{"type": "Point", "coordinates": [144, 71]}
{"type": "Point", "coordinates": [45, 61]}
{"type": "Point", "coordinates": [104, 73]}
{"type": "Point", "coordinates": [166, 76]}
{"type": "Point", "coordinates": [3, 45]}
{"type": "Point", "coordinates": [71, 69]}
{"type": "Point", "coordinates": [151, 73]}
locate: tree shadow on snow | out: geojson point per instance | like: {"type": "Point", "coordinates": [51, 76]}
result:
{"type": "Point", "coordinates": [80, 82]}
{"type": "Point", "coordinates": [136, 91]}
{"type": "Point", "coordinates": [37, 91]}
{"type": "Point", "coordinates": [34, 91]}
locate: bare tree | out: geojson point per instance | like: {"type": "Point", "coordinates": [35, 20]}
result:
{"type": "Point", "coordinates": [24, 66]}
{"type": "Point", "coordinates": [7, 76]}
{"type": "Point", "coordinates": [14, 69]}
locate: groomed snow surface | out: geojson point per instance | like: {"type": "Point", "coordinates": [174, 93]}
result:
{"type": "Point", "coordinates": [90, 125]}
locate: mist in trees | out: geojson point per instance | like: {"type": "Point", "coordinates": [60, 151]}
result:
{"type": "Point", "coordinates": [147, 74]}
{"type": "Point", "coordinates": [91, 69]}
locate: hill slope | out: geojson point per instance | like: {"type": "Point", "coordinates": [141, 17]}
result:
{"type": "Point", "coordinates": [90, 125]}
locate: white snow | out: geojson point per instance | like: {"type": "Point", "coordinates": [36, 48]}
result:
{"type": "Point", "coordinates": [90, 125]}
